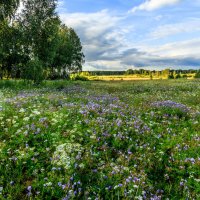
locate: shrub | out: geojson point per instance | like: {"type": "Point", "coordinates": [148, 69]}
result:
{"type": "Point", "coordinates": [77, 77]}
{"type": "Point", "coordinates": [57, 75]}
{"type": "Point", "coordinates": [197, 74]}
{"type": "Point", "coordinates": [178, 76]}
{"type": "Point", "coordinates": [34, 71]}
{"type": "Point", "coordinates": [184, 76]}
{"type": "Point", "coordinates": [171, 76]}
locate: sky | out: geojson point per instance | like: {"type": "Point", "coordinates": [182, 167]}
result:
{"type": "Point", "coordinates": [125, 34]}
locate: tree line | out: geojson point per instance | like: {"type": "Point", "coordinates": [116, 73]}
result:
{"type": "Point", "coordinates": [35, 45]}
{"type": "Point", "coordinates": [169, 73]}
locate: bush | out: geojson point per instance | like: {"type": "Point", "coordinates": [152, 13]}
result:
{"type": "Point", "coordinates": [76, 77]}
{"type": "Point", "coordinates": [184, 76]}
{"type": "Point", "coordinates": [57, 75]}
{"type": "Point", "coordinates": [178, 76]}
{"type": "Point", "coordinates": [171, 76]}
{"type": "Point", "coordinates": [197, 74]}
{"type": "Point", "coordinates": [34, 71]}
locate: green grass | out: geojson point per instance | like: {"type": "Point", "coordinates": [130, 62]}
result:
{"type": "Point", "coordinates": [100, 140]}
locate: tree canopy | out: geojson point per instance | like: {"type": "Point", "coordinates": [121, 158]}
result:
{"type": "Point", "coordinates": [35, 44]}
{"type": "Point", "coordinates": [8, 8]}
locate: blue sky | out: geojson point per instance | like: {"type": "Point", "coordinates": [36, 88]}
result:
{"type": "Point", "coordinates": [123, 34]}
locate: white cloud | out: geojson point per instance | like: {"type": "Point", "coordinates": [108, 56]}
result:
{"type": "Point", "coordinates": [177, 28]}
{"type": "Point", "coordinates": [100, 33]}
{"type": "Point", "coordinates": [93, 24]}
{"type": "Point", "coordinates": [188, 48]}
{"type": "Point", "coordinates": [107, 43]}
{"type": "Point", "coordinates": [150, 5]}
{"type": "Point", "coordinates": [114, 65]}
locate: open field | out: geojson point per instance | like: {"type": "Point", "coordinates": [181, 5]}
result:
{"type": "Point", "coordinates": [131, 77]}
{"type": "Point", "coordinates": [100, 140]}
{"type": "Point", "coordinates": [120, 78]}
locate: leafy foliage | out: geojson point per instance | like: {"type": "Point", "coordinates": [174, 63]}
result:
{"type": "Point", "coordinates": [69, 53]}
{"type": "Point", "coordinates": [197, 74]}
{"type": "Point", "coordinates": [8, 8]}
{"type": "Point", "coordinates": [37, 36]}
{"type": "Point", "coordinates": [33, 71]}
{"type": "Point", "coordinates": [12, 53]}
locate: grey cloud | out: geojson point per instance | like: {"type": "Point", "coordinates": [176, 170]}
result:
{"type": "Point", "coordinates": [106, 47]}
{"type": "Point", "coordinates": [177, 62]}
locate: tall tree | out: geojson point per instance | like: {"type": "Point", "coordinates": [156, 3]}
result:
{"type": "Point", "coordinates": [129, 71]}
{"type": "Point", "coordinates": [166, 72]}
{"type": "Point", "coordinates": [7, 35]}
{"type": "Point", "coordinates": [11, 54]}
{"type": "Point", "coordinates": [76, 56]}
{"type": "Point", "coordinates": [40, 25]}
{"type": "Point", "coordinates": [69, 55]}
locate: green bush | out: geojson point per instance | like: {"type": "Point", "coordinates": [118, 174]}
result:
{"type": "Point", "coordinates": [171, 76]}
{"type": "Point", "coordinates": [178, 76]}
{"type": "Point", "coordinates": [34, 71]}
{"type": "Point", "coordinates": [77, 77]}
{"type": "Point", "coordinates": [197, 74]}
{"type": "Point", "coordinates": [57, 75]}
{"type": "Point", "coordinates": [184, 76]}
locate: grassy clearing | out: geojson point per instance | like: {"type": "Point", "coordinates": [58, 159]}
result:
{"type": "Point", "coordinates": [100, 140]}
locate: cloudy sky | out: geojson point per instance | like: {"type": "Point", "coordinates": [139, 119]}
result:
{"type": "Point", "coordinates": [123, 34]}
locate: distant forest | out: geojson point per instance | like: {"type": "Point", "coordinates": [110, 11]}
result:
{"type": "Point", "coordinates": [170, 73]}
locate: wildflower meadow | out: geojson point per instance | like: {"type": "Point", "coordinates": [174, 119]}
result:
{"type": "Point", "coordinates": [100, 140]}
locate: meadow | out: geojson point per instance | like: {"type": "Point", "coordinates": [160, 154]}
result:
{"type": "Point", "coordinates": [132, 77]}
{"type": "Point", "coordinates": [100, 140]}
